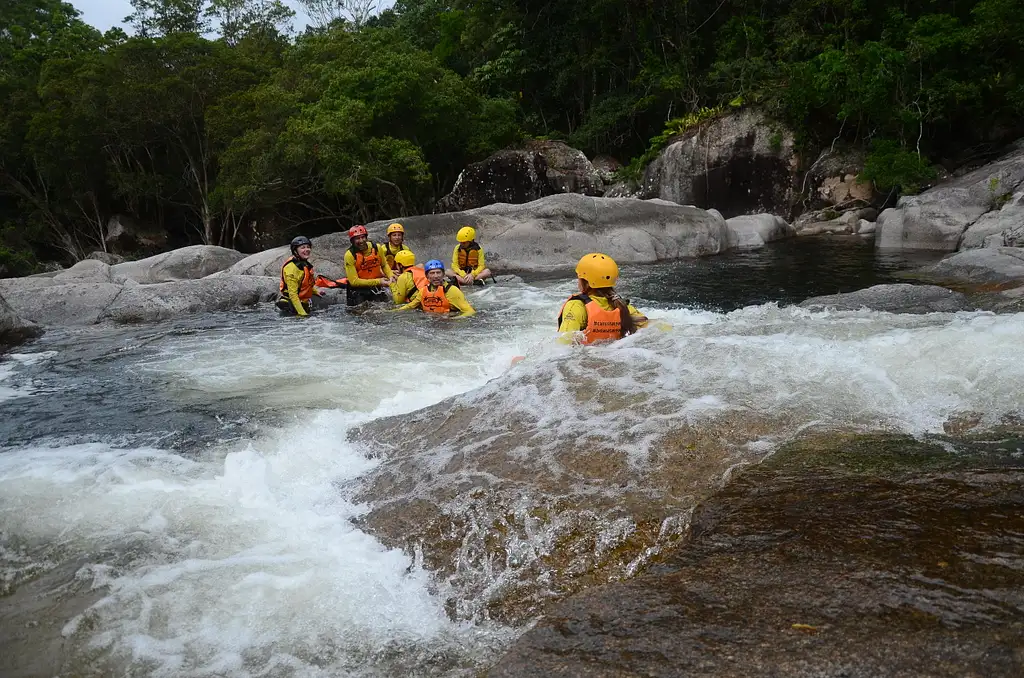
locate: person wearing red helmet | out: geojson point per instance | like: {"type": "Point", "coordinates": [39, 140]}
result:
{"type": "Point", "coordinates": [367, 271]}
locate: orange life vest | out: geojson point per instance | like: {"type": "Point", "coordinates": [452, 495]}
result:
{"type": "Point", "coordinates": [435, 301]}
{"type": "Point", "coordinates": [306, 285]}
{"type": "Point", "coordinates": [419, 277]}
{"type": "Point", "coordinates": [469, 257]}
{"type": "Point", "coordinates": [389, 256]}
{"type": "Point", "coordinates": [602, 325]}
{"type": "Point", "coordinates": [367, 262]}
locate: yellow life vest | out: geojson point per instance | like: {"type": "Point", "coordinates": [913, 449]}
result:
{"type": "Point", "coordinates": [469, 257]}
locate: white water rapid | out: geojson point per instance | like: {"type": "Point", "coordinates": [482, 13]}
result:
{"type": "Point", "coordinates": [239, 557]}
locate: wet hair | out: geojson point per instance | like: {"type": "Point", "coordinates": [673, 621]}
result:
{"type": "Point", "coordinates": [609, 293]}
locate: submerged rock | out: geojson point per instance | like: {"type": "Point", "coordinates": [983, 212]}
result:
{"type": "Point", "coordinates": [847, 556]}
{"type": "Point", "coordinates": [895, 298]}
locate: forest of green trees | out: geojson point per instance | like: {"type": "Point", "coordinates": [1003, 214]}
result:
{"type": "Point", "coordinates": [210, 117]}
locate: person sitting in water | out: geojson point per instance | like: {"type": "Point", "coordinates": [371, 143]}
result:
{"type": "Point", "coordinates": [438, 295]}
{"type": "Point", "coordinates": [598, 312]}
{"type": "Point", "coordinates": [298, 290]}
{"type": "Point", "coordinates": [468, 265]}
{"type": "Point", "coordinates": [410, 277]}
{"type": "Point", "coordinates": [394, 244]}
{"type": "Point", "coordinates": [367, 271]}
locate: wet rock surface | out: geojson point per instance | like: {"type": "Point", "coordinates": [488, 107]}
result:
{"type": "Point", "coordinates": [896, 298]}
{"type": "Point", "coordinates": [841, 556]}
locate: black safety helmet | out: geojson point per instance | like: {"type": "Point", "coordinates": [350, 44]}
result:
{"type": "Point", "coordinates": [298, 242]}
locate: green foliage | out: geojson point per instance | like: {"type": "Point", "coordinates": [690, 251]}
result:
{"type": "Point", "coordinates": [674, 128]}
{"type": "Point", "coordinates": [891, 166]}
{"type": "Point", "coordinates": [212, 116]}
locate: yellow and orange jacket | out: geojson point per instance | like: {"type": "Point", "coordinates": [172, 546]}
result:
{"type": "Point", "coordinates": [297, 283]}
{"type": "Point", "coordinates": [388, 253]}
{"type": "Point", "coordinates": [596, 317]}
{"type": "Point", "coordinates": [469, 260]}
{"type": "Point", "coordinates": [407, 283]}
{"type": "Point", "coordinates": [442, 298]}
{"type": "Point", "coordinates": [364, 269]}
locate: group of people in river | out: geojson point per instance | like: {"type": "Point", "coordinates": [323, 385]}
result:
{"type": "Point", "coordinates": [388, 273]}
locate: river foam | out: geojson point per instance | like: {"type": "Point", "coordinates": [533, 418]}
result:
{"type": "Point", "coordinates": [242, 559]}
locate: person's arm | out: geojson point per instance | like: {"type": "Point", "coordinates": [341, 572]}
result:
{"type": "Point", "coordinates": [353, 277]}
{"type": "Point", "coordinates": [384, 266]}
{"type": "Point", "coordinates": [455, 262]}
{"type": "Point", "coordinates": [401, 288]}
{"type": "Point", "coordinates": [480, 263]}
{"type": "Point", "coordinates": [574, 317]}
{"type": "Point", "coordinates": [292, 279]}
{"type": "Point", "coordinates": [639, 319]}
{"type": "Point", "coordinates": [414, 303]}
{"type": "Point", "coordinates": [458, 300]}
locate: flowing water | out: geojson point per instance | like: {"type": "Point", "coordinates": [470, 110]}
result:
{"type": "Point", "coordinates": [186, 499]}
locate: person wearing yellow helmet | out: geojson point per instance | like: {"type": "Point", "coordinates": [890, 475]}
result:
{"type": "Point", "coordinates": [410, 277]}
{"type": "Point", "coordinates": [598, 313]}
{"type": "Point", "coordinates": [468, 265]}
{"type": "Point", "coordinates": [394, 244]}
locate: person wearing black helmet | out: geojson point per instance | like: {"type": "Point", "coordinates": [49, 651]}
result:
{"type": "Point", "coordinates": [298, 290]}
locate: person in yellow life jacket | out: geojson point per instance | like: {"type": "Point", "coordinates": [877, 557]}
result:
{"type": "Point", "coordinates": [438, 295]}
{"type": "Point", "coordinates": [367, 271]}
{"type": "Point", "coordinates": [394, 244]}
{"type": "Point", "coordinates": [410, 277]}
{"type": "Point", "coordinates": [299, 294]}
{"type": "Point", "coordinates": [598, 312]}
{"type": "Point", "coordinates": [468, 265]}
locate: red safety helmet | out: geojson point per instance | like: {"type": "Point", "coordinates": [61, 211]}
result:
{"type": "Point", "coordinates": [356, 230]}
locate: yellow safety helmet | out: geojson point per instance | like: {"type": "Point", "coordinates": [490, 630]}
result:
{"type": "Point", "coordinates": [396, 228]}
{"type": "Point", "coordinates": [466, 234]}
{"type": "Point", "coordinates": [406, 258]}
{"type": "Point", "coordinates": [599, 270]}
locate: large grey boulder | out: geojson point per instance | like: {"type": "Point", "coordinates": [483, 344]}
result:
{"type": "Point", "coordinates": [13, 328]}
{"type": "Point", "coordinates": [568, 169]}
{"type": "Point", "coordinates": [521, 175]}
{"type": "Point", "coordinates": [554, 232]}
{"type": "Point", "coordinates": [937, 218]}
{"type": "Point", "coordinates": [995, 266]}
{"type": "Point", "coordinates": [897, 298]}
{"type": "Point", "coordinates": [87, 270]}
{"type": "Point", "coordinates": [161, 301]}
{"type": "Point", "coordinates": [186, 263]}
{"type": "Point", "coordinates": [995, 228]}
{"type": "Point", "coordinates": [511, 176]}
{"type": "Point", "coordinates": [328, 257]}
{"type": "Point", "coordinates": [752, 231]}
{"type": "Point", "coordinates": [49, 302]}
{"type": "Point", "coordinates": [740, 163]}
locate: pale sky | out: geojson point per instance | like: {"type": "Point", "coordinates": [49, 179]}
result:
{"type": "Point", "coordinates": [104, 14]}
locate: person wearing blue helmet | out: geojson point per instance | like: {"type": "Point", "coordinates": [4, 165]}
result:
{"type": "Point", "coordinates": [436, 295]}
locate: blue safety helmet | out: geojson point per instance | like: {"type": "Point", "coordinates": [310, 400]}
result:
{"type": "Point", "coordinates": [433, 264]}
